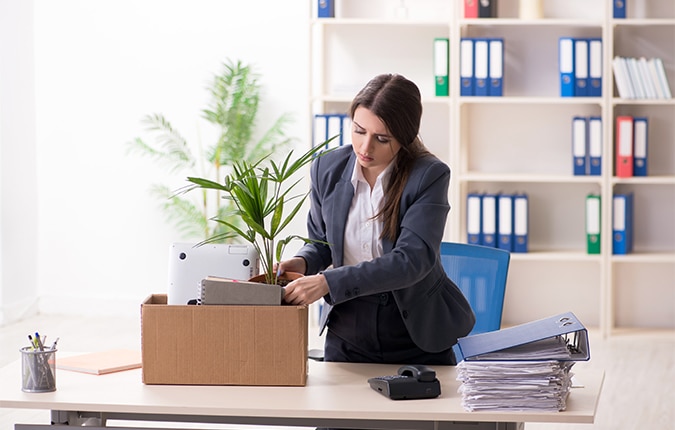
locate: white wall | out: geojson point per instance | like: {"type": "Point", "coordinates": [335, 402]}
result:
{"type": "Point", "coordinates": [18, 188]}
{"type": "Point", "coordinates": [100, 66]}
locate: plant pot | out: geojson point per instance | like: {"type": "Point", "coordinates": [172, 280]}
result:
{"type": "Point", "coordinates": [283, 279]}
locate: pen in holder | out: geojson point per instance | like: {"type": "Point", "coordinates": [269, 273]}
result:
{"type": "Point", "coordinates": [38, 370]}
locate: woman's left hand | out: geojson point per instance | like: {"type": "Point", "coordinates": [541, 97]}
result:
{"type": "Point", "coordinates": [306, 290]}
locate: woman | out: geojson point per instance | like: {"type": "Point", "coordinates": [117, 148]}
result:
{"type": "Point", "coordinates": [378, 211]}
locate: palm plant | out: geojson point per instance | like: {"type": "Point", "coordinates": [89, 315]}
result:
{"type": "Point", "coordinates": [233, 109]}
{"type": "Point", "coordinates": [261, 197]}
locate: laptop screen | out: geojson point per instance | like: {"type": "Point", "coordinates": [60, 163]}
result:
{"type": "Point", "coordinates": [189, 264]}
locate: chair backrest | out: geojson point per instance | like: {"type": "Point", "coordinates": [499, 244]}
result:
{"type": "Point", "coordinates": [480, 273]}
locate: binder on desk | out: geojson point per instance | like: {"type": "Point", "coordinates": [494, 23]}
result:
{"type": "Point", "coordinates": [466, 66]}
{"type": "Point", "coordinates": [640, 146]}
{"type": "Point", "coordinates": [561, 337]}
{"type": "Point", "coordinates": [326, 8]}
{"type": "Point", "coordinates": [624, 147]}
{"type": "Point", "coordinates": [496, 67]}
{"type": "Point", "coordinates": [579, 146]}
{"type": "Point", "coordinates": [593, 224]}
{"type": "Point", "coordinates": [505, 224]}
{"type": "Point", "coordinates": [474, 219]}
{"type": "Point", "coordinates": [489, 224]}
{"type": "Point", "coordinates": [581, 67]}
{"type": "Point", "coordinates": [471, 8]}
{"type": "Point", "coordinates": [441, 65]}
{"type": "Point", "coordinates": [595, 67]}
{"type": "Point", "coordinates": [622, 224]}
{"type": "Point", "coordinates": [481, 65]}
{"type": "Point", "coordinates": [520, 223]}
{"type": "Point", "coordinates": [566, 66]}
{"type": "Point", "coordinates": [595, 146]}
{"type": "Point", "coordinates": [619, 8]}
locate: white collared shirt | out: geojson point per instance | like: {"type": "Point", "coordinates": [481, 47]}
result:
{"type": "Point", "coordinates": [362, 232]}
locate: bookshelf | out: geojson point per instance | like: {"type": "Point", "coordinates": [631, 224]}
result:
{"type": "Point", "coordinates": [521, 142]}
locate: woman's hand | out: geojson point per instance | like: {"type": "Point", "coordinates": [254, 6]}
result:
{"type": "Point", "coordinates": [306, 290]}
{"type": "Point", "coordinates": [295, 264]}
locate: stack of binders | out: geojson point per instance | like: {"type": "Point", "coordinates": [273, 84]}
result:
{"type": "Point", "coordinates": [522, 368]}
{"type": "Point", "coordinates": [580, 65]}
{"type": "Point", "coordinates": [498, 220]}
{"type": "Point", "coordinates": [481, 66]}
{"type": "Point", "coordinates": [631, 146]}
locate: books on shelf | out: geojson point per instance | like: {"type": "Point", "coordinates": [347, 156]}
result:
{"type": "Point", "coordinates": [640, 78]}
{"type": "Point", "coordinates": [482, 66]}
{"type": "Point", "coordinates": [622, 224]}
{"type": "Point", "coordinates": [631, 146]}
{"type": "Point", "coordinates": [333, 126]}
{"type": "Point", "coordinates": [498, 220]}
{"type": "Point", "coordinates": [587, 145]}
{"type": "Point", "coordinates": [593, 223]}
{"type": "Point", "coordinates": [580, 66]}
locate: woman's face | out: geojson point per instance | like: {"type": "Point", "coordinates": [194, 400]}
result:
{"type": "Point", "coordinates": [373, 145]}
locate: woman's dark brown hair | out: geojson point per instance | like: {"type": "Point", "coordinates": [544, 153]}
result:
{"type": "Point", "coordinates": [397, 102]}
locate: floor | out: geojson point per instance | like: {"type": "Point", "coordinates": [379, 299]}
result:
{"type": "Point", "coordinates": [638, 393]}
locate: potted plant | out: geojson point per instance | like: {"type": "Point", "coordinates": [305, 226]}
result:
{"type": "Point", "coordinates": [233, 110]}
{"type": "Point", "coordinates": [263, 199]}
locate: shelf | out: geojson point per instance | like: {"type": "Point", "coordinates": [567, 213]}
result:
{"type": "Point", "coordinates": [644, 180]}
{"type": "Point", "coordinates": [666, 102]}
{"type": "Point", "coordinates": [403, 22]}
{"type": "Point", "coordinates": [532, 100]}
{"type": "Point", "coordinates": [517, 22]}
{"type": "Point", "coordinates": [642, 22]}
{"type": "Point", "coordinates": [532, 178]}
{"type": "Point", "coordinates": [557, 256]}
{"type": "Point", "coordinates": [521, 142]}
{"type": "Point", "coordinates": [645, 257]}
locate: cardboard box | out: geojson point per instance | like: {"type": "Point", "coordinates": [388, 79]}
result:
{"type": "Point", "coordinates": [223, 345]}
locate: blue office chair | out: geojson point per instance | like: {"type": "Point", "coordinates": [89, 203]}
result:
{"type": "Point", "coordinates": [480, 273]}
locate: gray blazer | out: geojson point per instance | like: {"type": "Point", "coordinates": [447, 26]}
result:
{"type": "Point", "coordinates": [434, 310]}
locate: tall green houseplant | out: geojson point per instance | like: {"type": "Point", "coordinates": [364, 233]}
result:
{"type": "Point", "coordinates": [233, 110]}
{"type": "Point", "coordinates": [263, 196]}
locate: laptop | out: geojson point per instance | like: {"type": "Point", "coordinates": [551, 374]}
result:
{"type": "Point", "coordinates": [189, 264]}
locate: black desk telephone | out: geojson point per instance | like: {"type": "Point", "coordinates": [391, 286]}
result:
{"type": "Point", "coordinates": [412, 382]}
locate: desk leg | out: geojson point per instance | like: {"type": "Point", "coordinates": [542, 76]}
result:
{"type": "Point", "coordinates": [77, 419]}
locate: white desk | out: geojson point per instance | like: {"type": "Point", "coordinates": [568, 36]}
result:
{"type": "Point", "coordinates": [336, 395]}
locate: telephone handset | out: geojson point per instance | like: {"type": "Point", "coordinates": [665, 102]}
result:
{"type": "Point", "coordinates": [420, 372]}
{"type": "Point", "coordinates": [411, 382]}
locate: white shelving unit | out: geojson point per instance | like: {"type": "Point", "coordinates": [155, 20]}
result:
{"type": "Point", "coordinates": [521, 142]}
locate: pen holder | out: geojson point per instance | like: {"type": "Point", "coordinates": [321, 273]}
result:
{"type": "Point", "coordinates": [38, 370]}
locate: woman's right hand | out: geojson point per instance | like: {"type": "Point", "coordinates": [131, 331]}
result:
{"type": "Point", "coordinates": [295, 264]}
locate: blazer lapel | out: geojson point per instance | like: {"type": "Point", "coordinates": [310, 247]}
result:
{"type": "Point", "coordinates": [344, 192]}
